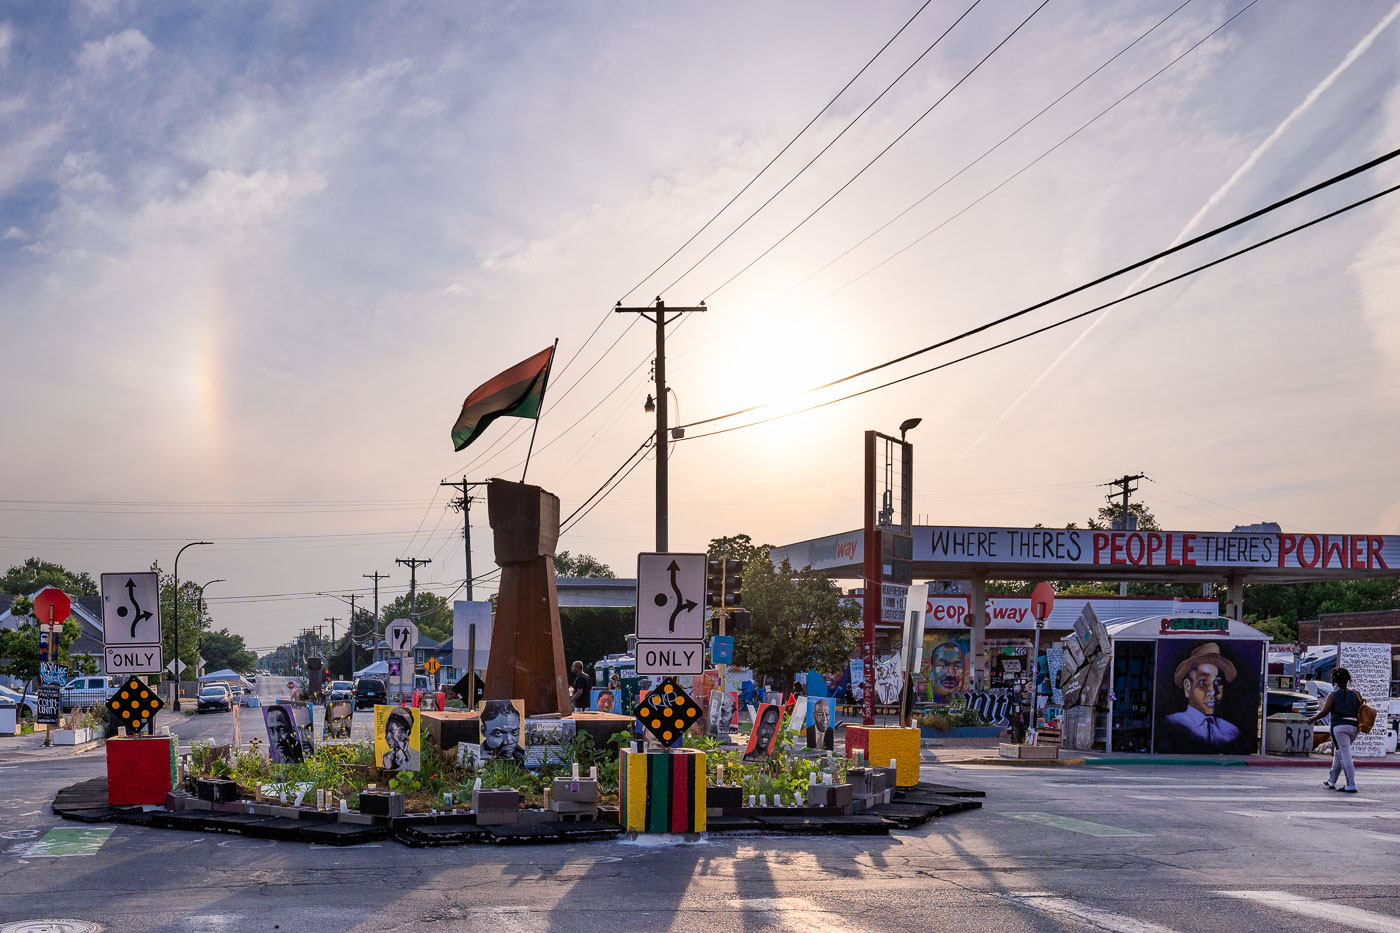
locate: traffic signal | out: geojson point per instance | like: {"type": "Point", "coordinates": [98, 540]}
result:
{"type": "Point", "coordinates": [723, 583]}
{"type": "Point", "coordinates": [738, 622]}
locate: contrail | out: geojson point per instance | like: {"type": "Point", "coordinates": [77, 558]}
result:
{"type": "Point", "coordinates": [1253, 159]}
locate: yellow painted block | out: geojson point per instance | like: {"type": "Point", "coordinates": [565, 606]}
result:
{"type": "Point", "coordinates": [900, 746]}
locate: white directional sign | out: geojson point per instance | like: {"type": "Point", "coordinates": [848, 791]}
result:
{"type": "Point", "coordinates": [670, 598]}
{"type": "Point", "coordinates": [131, 622]}
{"type": "Point", "coordinates": [670, 657]}
{"type": "Point", "coordinates": [176, 667]}
{"type": "Point", "coordinates": [402, 636]}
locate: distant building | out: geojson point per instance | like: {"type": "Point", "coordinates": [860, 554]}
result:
{"type": "Point", "coordinates": [1380, 627]}
{"type": "Point", "coordinates": [87, 612]}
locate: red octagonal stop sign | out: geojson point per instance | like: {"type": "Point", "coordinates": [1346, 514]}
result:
{"type": "Point", "coordinates": [1042, 600]}
{"type": "Point", "coordinates": [52, 606]}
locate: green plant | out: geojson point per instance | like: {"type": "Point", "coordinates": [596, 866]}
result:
{"type": "Point", "coordinates": [406, 783]}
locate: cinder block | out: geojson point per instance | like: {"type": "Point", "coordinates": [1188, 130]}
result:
{"type": "Point", "coordinates": [724, 796]}
{"type": "Point", "coordinates": [175, 800]}
{"type": "Point", "coordinates": [570, 806]}
{"type": "Point", "coordinates": [500, 798]}
{"type": "Point", "coordinates": [496, 817]}
{"type": "Point", "coordinates": [574, 790]}
{"type": "Point", "coordinates": [381, 803]}
{"type": "Point", "coordinates": [860, 780]}
{"type": "Point", "coordinates": [610, 815]}
{"type": "Point", "coordinates": [530, 816]}
{"type": "Point", "coordinates": [216, 790]}
{"type": "Point", "coordinates": [194, 803]}
{"type": "Point", "coordinates": [831, 795]}
{"type": "Point", "coordinates": [359, 819]}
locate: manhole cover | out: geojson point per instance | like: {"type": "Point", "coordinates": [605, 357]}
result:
{"type": "Point", "coordinates": [50, 926]}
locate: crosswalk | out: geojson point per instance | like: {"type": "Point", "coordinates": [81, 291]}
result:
{"type": "Point", "coordinates": [1079, 913]}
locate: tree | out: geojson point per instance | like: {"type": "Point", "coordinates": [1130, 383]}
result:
{"type": "Point", "coordinates": [35, 574]}
{"type": "Point", "coordinates": [591, 634]}
{"type": "Point", "coordinates": [341, 664]}
{"type": "Point", "coordinates": [737, 547]}
{"type": "Point", "coordinates": [1111, 512]}
{"type": "Point", "coordinates": [434, 619]}
{"type": "Point", "coordinates": [799, 621]}
{"type": "Point", "coordinates": [193, 621]}
{"type": "Point", "coordinates": [19, 651]}
{"type": "Point", "coordinates": [585, 565]}
{"type": "Point", "coordinates": [223, 649]}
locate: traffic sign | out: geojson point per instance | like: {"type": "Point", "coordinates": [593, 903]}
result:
{"type": "Point", "coordinates": [131, 623]}
{"type": "Point", "coordinates": [671, 597]}
{"type": "Point", "coordinates": [176, 666]}
{"type": "Point", "coordinates": [1042, 600]}
{"type": "Point", "coordinates": [432, 665]}
{"type": "Point", "coordinates": [54, 674]}
{"type": "Point", "coordinates": [133, 705]}
{"type": "Point", "coordinates": [52, 606]}
{"type": "Point", "coordinates": [402, 635]}
{"type": "Point", "coordinates": [667, 712]}
{"type": "Point", "coordinates": [670, 657]}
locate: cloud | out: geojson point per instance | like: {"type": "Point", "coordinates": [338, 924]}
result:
{"type": "Point", "coordinates": [14, 233]}
{"type": "Point", "coordinates": [17, 157]}
{"type": "Point", "coordinates": [7, 39]}
{"type": "Point", "coordinates": [126, 50]}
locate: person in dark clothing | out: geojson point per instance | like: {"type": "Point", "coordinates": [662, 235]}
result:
{"type": "Point", "coordinates": [582, 685]}
{"type": "Point", "coordinates": [1344, 705]}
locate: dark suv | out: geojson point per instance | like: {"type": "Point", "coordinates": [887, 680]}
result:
{"type": "Point", "coordinates": [369, 691]}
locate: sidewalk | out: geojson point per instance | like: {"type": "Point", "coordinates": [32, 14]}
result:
{"type": "Point", "coordinates": [986, 754]}
{"type": "Point", "coordinates": [31, 748]}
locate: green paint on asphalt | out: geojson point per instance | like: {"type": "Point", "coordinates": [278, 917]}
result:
{"type": "Point", "coordinates": [1184, 761]}
{"type": "Point", "coordinates": [61, 843]}
{"type": "Point", "coordinates": [1070, 823]}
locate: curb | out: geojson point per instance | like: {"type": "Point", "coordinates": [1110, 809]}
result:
{"type": "Point", "coordinates": [1317, 763]}
{"type": "Point", "coordinates": [1020, 762]}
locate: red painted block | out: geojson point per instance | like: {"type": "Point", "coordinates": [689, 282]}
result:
{"type": "Point", "coordinates": [140, 770]}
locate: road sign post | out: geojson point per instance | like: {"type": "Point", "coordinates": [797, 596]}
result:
{"type": "Point", "coordinates": [670, 614]}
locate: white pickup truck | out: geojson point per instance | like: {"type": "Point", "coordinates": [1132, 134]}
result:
{"type": "Point", "coordinates": [86, 692]}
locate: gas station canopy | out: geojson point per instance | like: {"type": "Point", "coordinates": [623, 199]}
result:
{"type": "Point", "coordinates": [950, 552]}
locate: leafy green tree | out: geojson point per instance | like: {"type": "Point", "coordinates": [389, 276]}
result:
{"type": "Point", "coordinates": [223, 649]}
{"type": "Point", "coordinates": [737, 547]}
{"type": "Point", "coordinates": [591, 633]}
{"type": "Point", "coordinates": [799, 621]}
{"type": "Point", "coordinates": [34, 574]}
{"type": "Point", "coordinates": [434, 618]}
{"type": "Point", "coordinates": [193, 621]}
{"type": "Point", "coordinates": [1111, 512]}
{"type": "Point", "coordinates": [584, 565]}
{"type": "Point", "coordinates": [19, 652]}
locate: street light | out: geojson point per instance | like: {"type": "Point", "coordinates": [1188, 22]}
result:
{"type": "Point", "coordinates": [908, 425]}
{"type": "Point", "coordinates": [201, 607]}
{"type": "Point", "coordinates": [177, 617]}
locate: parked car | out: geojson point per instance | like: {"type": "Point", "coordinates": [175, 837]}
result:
{"type": "Point", "coordinates": [370, 691]}
{"type": "Point", "coordinates": [214, 697]}
{"type": "Point", "coordinates": [1287, 701]}
{"type": "Point", "coordinates": [29, 706]}
{"type": "Point", "coordinates": [340, 690]}
{"type": "Point", "coordinates": [86, 692]}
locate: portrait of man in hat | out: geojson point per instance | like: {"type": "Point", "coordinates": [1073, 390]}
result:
{"type": "Point", "coordinates": [1202, 678]}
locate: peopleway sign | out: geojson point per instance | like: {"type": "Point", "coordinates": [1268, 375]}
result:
{"type": "Point", "coordinates": [1084, 552]}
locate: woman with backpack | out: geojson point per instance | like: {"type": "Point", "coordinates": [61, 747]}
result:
{"type": "Point", "coordinates": [1344, 704]}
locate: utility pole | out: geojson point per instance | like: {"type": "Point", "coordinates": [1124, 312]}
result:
{"type": "Point", "coordinates": [353, 597]}
{"type": "Point", "coordinates": [658, 315]}
{"type": "Point", "coordinates": [1125, 484]}
{"type": "Point", "coordinates": [466, 500]}
{"type": "Point", "coordinates": [376, 577]}
{"type": "Point", "coordinates": [332, 620]}
{"type": "Point", "coordinates": [412, 563]}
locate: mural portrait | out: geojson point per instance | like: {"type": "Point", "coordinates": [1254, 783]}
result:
{"type": "Point", "coordinates": [502, 735]}
{"type": "Point", "coordinates": [1207, 697]}
{"type": "Point", "coordinates": [289, 738]}
{"type": "Point", "coordinates": [397, 745]}
{"type": "Point", "coordinates": [339, 715]}
{"type": "Point", "coordinates": [764, 738]}
{"type": "Point", "coordinates": [944, 669]}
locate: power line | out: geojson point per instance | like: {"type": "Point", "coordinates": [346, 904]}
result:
{"type": "Point", "coordinates": [814, 158]}
{"type": "Point", "coordinates": [878, 156]}
{"type": "Point", "coordinates": [1186, 244]}
{"type": "Point", "coordinates": [1056, 324]}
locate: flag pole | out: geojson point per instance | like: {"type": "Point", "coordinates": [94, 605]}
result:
{"type": "Point", "coordinates": [539, 414]}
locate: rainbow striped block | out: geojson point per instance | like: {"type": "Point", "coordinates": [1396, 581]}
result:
{"type": "Point", "coordinates": [663, 791]}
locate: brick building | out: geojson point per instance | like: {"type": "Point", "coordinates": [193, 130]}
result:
{"type": "Point", "coordinates": [1379, 627]}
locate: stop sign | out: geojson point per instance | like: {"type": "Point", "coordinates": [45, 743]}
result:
{"type": "Point", "coordinates": [1042, 600]}
{"type": "Point", "coordinates": [52, 606]}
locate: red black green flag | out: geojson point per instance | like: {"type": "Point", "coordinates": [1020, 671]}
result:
{"type": "Point", "coordinates": [516, 393]}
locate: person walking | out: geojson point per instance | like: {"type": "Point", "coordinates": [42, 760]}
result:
{"type": "Point", "coordinates": [1344, 704]}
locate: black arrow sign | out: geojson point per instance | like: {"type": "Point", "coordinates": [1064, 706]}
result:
{"type": "Point", "coordinates": [682, 604]}
{"type": "Point", "coordinates": [141, 614]}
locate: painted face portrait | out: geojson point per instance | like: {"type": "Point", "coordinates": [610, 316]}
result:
{"type": "Point", "coordinates": [338, 720]}
{"type": "Point", "coordinates": [946, 668]}
{"type": "Point", "coordinates": [605, 702]}
{"type": "Point", "coordinates": [398, 736]}
{"type": "Point", "coordinates": [1204, 688]}
{"type": "Point", "coordinates": [1209, 718]}
{"type": "Point", "coordinates": [821, 715]}
{"type": "Point", "coordinates": [500, 730]}
{"type": "Point", "coordinates": [282, 735]}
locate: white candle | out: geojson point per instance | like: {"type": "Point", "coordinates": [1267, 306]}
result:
{"type": "Point", "coordinates": [576, 771]}
{"type": "Point", "coordinates": [798, 797]}
{"type": "Point", "coordinates": [593, 773]}
{"type": "Point", "coordinates": [752, 801]}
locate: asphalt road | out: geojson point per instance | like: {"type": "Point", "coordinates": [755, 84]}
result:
{"type": "Point", "coordinates": [1143, 849]}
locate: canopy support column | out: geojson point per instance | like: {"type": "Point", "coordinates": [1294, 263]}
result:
{"type": "Point", "coordinates": [980, 674]}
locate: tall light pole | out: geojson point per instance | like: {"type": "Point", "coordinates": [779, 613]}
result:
{"type": "Point", "coordinates": [201, 599]}
{"type": "Point", "coordinates": [177, 617]}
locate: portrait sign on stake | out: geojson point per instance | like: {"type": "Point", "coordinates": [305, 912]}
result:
{"type": "Point", "coordinates": [289, 735]}
{"type": "Point", "coordinates": [763, 740]}
{"type": "Point", "coordinates": [339, 715]}
{"type": "Point", "coordinates": [821, 734]}
{"type": "Point", "coordinates": [397, 745]}
{"type": "Point", "coordinates": [502, 730]}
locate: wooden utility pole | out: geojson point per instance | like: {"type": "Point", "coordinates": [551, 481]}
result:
{"type": "Point", "coordinates": [659, 316]}
{"type": "Point", "coordinates": [466, 500]}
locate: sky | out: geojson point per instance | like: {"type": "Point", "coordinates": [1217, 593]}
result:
{"type": "Point", "coordinates": [254, 256]}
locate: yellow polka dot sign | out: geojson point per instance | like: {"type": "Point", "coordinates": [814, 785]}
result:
{"type": "Point", "coordinates": [133, 705]}
{"type": "Point", "coordinates": [667, 712]}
